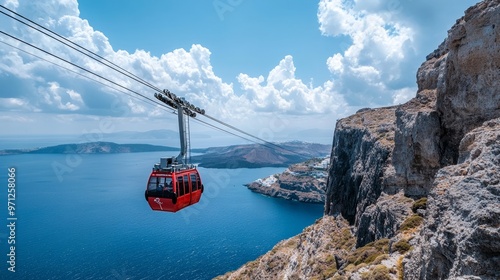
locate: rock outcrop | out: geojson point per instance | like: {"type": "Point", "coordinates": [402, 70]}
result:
{"type": "Point", "coordinates": [470, 94]}
{"type": "Point", "coordinates": [461, 235]}
{"type": "Point", "coordinates": [313, 252]}
{"type": "Point", "coordinates": [361, 154]}
{"type": "Point", "coordinates": [419, 183]}
{"type": "Point", "coordinates": [304, 182]}
{"type": "Point", "coordinates": [458, 89]}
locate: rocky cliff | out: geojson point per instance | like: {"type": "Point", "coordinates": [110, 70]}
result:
{"type": "Point", "coordinates": [418, 184]}
{"type": "Point", "coordinates": [461, 235]}
{"type": "Point", "coordinates": [304, 182]}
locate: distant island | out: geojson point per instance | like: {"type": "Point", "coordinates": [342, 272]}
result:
{"type": "Point", "coordinates": [237, 156]}
{"type": "Point", "coordinates": [256, 155]}
{"type": "Point", "coordinates": [304, 182]}
{"type": "Point", "coordinates": [91, 148]}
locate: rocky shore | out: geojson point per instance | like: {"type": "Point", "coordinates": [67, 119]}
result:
{"type": "Point", "coordinates": [304, 182]}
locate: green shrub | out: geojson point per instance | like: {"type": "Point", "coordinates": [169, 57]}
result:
{"type": "Point", "coordinates": [368, 253]}
{"type": "Point", "coordinates": [419, 204]}
{"type": "Point", "coordinates": [402, 246]}
{"type": "Point", "coordinates": [412, 222]}
{"type": "Point", "coordinates": [379, 272]}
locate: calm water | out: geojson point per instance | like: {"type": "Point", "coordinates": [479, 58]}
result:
{"type": "Point", "coordinates": [92, 222]}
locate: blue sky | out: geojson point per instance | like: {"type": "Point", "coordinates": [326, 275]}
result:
{"type": "Point", "coordinates": [250, 37]}
{"type": "Point", "coordinates": [281, 70]}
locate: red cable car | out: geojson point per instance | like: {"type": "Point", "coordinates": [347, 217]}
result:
{"type": "Point", "coordinates": [172, 187]}
{"type": "Point", "coordinates": [174, 184]}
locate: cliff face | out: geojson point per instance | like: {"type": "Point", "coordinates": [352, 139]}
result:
{"type": "Point", "coordinates": [470, 95]}
{"type": "Point", "coordinates": [360, 156]}
{"type": "Point", "coordinates": [461, 236]}
{"type": "Point", "coordinates": [420, 182]}
{"type": "Point", "coordinates": [458, 89]}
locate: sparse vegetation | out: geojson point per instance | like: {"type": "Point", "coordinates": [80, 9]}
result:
{"type": "Point", "coordinates": [399, 266]}
{"type": "Point", "coordinates": [346, 240]}
{"type": "Point", "coordinates": [379, 272]}
{"type": "Point", "coordinates": [412, 222]}
{"type": "Point", "coordinates": [292, 243]}
{"type": "Point", "coordinates": [402, 246]}
{"type": "Point", "coordinates": [419, 204]}
{"type": "Point", "coordinates": [380, 258]}
{"type": "Point", "coordinates": [330, 259]}
{"type": "Point", "coordinates": [368, 253]}
{"type": "Point", "coordinates": [329, 272]}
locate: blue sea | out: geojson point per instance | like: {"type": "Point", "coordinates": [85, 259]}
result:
{"type": "Point", "coordinates": [85, 217]}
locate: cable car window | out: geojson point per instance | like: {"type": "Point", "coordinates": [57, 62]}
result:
{"type": "Point", "coordinates": [153, 184]}
{"type": "Point", "coordinates": [194, 181]}
{"type": "Point", "coordinates": [186, 184]}
{"type": "Point", "coordinates": [180, 185]}
{"type": "Point", "coordinates": [168, 184]}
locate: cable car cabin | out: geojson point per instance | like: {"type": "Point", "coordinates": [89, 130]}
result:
{"type": "Point", "coordinates": [173, 188]}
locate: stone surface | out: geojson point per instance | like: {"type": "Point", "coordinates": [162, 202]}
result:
{"type": "Point", "coordinates": [461, 236]}
{"type": "Point", "coordinates": [383, 218]}
{"type": "Point", "coordinates": [469, 96]}
{"type": "Point", "coordinates": [313, 253]}
{"type": "Point", "coordinates": [361, 150]}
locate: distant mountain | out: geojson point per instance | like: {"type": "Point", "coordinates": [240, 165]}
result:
{"type": "Point", "coordinates": [257, 155]}
{"type": "Point", "coordinates": [238, 156]}
{"type": "Point", "coordinates": [91, 148]}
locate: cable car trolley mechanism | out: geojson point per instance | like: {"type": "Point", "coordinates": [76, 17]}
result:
{"type": "Point", "coordinates": [174, 183]}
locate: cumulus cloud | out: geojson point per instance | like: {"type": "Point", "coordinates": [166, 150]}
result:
{"type": "Point", "coordinates": [372, 62]}
{"type": "Point", "coordinates": [371, 69]}
{"type": "Point", "coordinates": [283, 92]}
{"type": "Point", "coordinates": [187, 73]}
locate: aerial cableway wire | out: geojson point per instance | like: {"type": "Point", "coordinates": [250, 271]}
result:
{"type": "Point", "coordinates": [75, 65]}
{"type": "Point", "coordinates": [152, 102]}
{"type": "Point", "coordinates": [128, 74]}
{"type": "Point", "coordinates": [90, 78]}
{"type": "Point", "coordinates": [87, 52]}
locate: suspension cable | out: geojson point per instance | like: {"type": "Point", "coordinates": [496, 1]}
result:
{"type": "Point", "coordinates": [121, 70]}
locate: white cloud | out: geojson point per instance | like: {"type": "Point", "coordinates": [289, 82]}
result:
{"type": "Point", "coordinates": [15, 119]}
{"type": "Point", "coordinates": [14, 103]}
{"type": "Point", "coordinates": [75, 96]}
{"type": "Point", "coordinates": [187, 73]}
{"type": "Point", "coordinates": [379, 46]}
{"type": "Point", "coordinates": [283, 92]}
{"type": "Point", "coordinates": [402, 95]}
{"type": "Point", "coordinates": [13, 4]}
{"type": "Point", "coordinates": [372, 69]}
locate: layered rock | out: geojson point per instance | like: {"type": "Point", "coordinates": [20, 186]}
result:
{"type": "Point", "coordinates": [361, 152]}
{"type": "Point", "coordinates": [470, 93]}
{"type": "Point", "coordinates": [455, 94]}
{"type": "Point", "coordinates": [461, 236]}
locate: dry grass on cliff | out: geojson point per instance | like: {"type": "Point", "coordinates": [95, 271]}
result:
{"type": "Point", "coordinates": [412, 222]}
{"type": "Point", "coordinates": [369, 253]}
